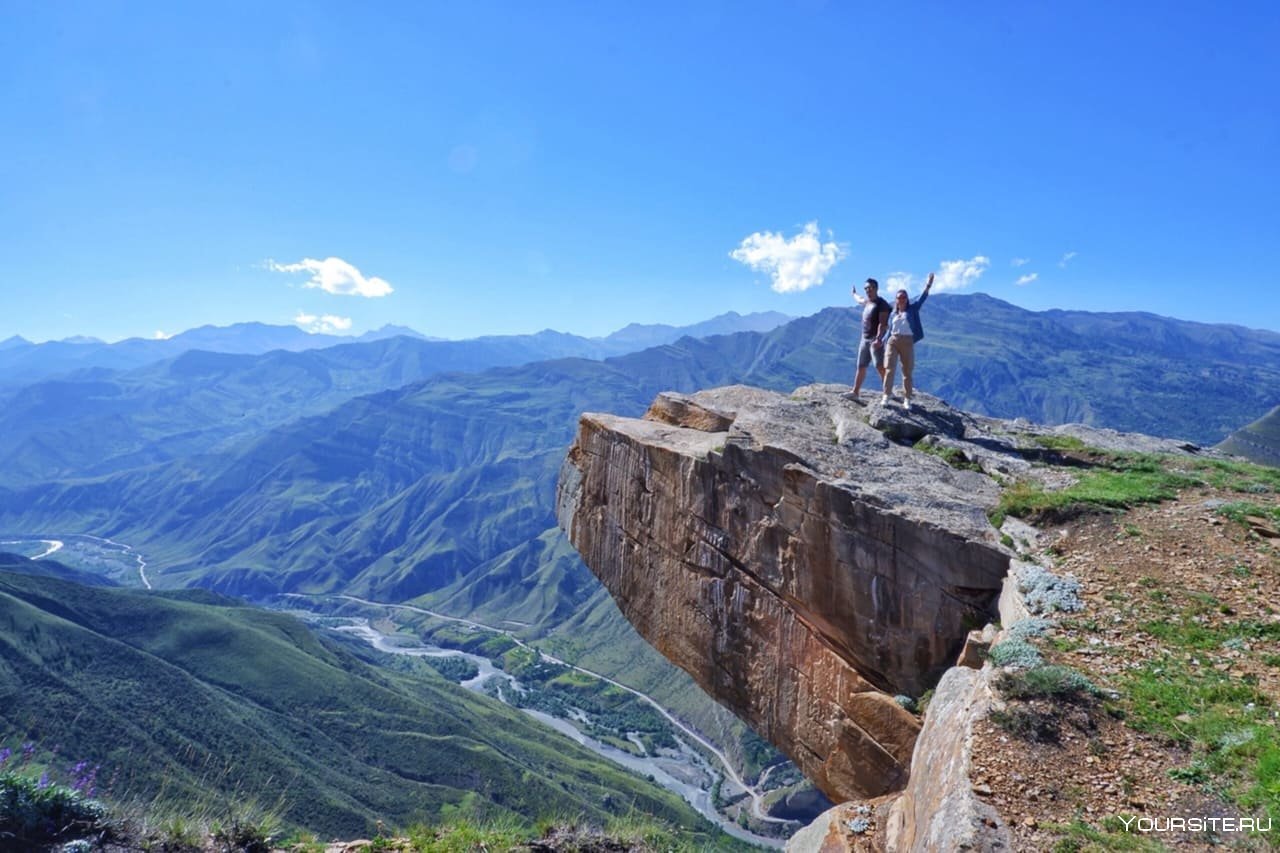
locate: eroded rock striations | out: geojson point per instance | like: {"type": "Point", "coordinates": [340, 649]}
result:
{"type": "Point", "coordinates": [799, 564]}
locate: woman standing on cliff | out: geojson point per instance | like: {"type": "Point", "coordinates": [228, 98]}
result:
{"type": "Point", "coordinates": [904, 330]}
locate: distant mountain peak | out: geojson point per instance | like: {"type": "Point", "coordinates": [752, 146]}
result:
{"type": "Point", "coordinates": [392, 330]}
{"type": "Point", "coordinates": [656, 334]}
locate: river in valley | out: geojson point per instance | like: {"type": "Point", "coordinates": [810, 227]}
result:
{"type": "Point", "coordinates": [683, 771]}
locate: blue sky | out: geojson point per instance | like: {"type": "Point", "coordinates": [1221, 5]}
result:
{"type": "Point", "coordinates": [480, 167]}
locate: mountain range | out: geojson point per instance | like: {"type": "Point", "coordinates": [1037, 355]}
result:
{"type": "Point", "coordinates": [428, 487]}
{"type": "Point", "coordinates": [23, 362]}
{"type": "Point", "coordinates": [410, 470]}
{"type": "Point", "coordinates": [95, 421]}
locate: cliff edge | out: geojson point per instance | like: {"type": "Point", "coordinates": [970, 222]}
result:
{"type": "Point", "coordinates": [798, 562]}
{"type": "Point", "coordinates": [813, 562]}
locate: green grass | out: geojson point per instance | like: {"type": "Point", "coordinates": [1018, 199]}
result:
{"type": "Point", "coordinates": [1238, 476]}
{"type": "Point", "coordinates": [1080, 836]}
{"type": "Point", "coordinates": [1060, 442]}
{"type": "Point", "coordinates": [953, 456]}
{"type": "Point", "coordinates": [1116, 481]}
{"type": "Point", "coordinates": [464, 835]}
{"type": "Point", "coordinates": [634, 831]}
{"type": "Point", "coordinates": [1128, 480]}
{"type": "Point", "coordinates": [1241, 511]}
{"type": "Point", "coordinates": [1223, 720]}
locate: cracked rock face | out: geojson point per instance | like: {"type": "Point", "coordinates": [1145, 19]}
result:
{"type": "Point", "coordinates": [799, 564]}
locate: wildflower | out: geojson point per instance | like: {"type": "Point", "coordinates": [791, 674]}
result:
{"type": "Point", "coordinates": [28, 752]}
{"type": "Point", "coordinates": [4, 755]}
{"type": "Point", "coordinates": [44, 781]}
{"type": "Point", "coordinates": [84, 778]}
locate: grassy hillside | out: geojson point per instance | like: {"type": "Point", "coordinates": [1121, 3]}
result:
{"type": "Point", "coordinates": [1259, 441]}
{"type": "Point", "coordinates": [187, 696]}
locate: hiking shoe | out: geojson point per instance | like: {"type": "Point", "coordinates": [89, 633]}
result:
{"type": "Point", "coordinates": [884, 400]}
{"type": "Point", "coordinates": [906, 403]}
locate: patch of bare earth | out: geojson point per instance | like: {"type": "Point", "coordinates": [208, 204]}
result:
{"type": "Point", "coordinates": [1176, 560]}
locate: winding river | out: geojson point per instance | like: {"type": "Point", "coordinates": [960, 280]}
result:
{"type": "Point", "coordinates": [679, 773]}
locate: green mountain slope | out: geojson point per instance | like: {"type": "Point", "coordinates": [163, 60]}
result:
{"type": "Point", "coordinates": [1132, 372]}
{"type": "Point", "coordinates": [21, 565]}
{"type": "Point", "coordinates": [189, 695]}
{"type": "Point", "coordinates": [1259, 441]}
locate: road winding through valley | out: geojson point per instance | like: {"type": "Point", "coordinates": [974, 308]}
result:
{"type": "Point", "coordinates": [757, 800]}
{"type": "Point", "coordinates": [128, 549]}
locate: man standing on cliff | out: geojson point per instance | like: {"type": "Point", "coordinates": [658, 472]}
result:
{"type": "Point", "coordinates": [875, 322]}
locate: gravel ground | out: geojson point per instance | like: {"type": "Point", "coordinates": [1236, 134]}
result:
{"type": "Point", "coordinates": [1074, 790]}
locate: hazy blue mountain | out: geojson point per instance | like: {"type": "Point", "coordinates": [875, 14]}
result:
{"type": "Point", "coordinates": [193, 696]}
{"type": "Point", "coordinates": [98, 421]}
{"type": "Point", "coordinates": [1259, 441]}
{"type": "Point", "coordinates": [22, 362]}
{"type": "Point", "coordinates": [426, 489]}
{"type": "Point", "coordinates": [14, 341]}
{"type": "Point", "coordinates": [638, 336]}
{"type": "Point", "coordinates": [390, 330]}
{"type": "Point", "coordinates": [31, 362]}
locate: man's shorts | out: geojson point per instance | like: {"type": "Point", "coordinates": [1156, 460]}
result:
{"type": "Point", "coordinates": [867, 352]}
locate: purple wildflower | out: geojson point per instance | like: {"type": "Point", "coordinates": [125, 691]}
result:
{"type": "Point", "coordinates": [4, 755]}
{"type": "Point", "coordinates": [28, 751]}
{"type": "Point", "coordinates": [44, 780]}
{"type": "Point", "coordinates": [84, 778]}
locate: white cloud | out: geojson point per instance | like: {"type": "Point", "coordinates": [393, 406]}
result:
{"type": "Point", "coordinates": [336, 276]}
{"type": "Point", "coordinates": [1066, 259]}
{"type": "Point", "coordinates": [161, 336]}
{"type": "Point", "coordinates": [954, 275]}
{"type": "Point", "coordinates": [1020, 262]}
{"type": "Point", "coordinates": [898, 281]}
{"type": "Point", "coordinates": [327, 324]}
{"type": "Point", "coordinates": [794, 265]}
{"type": "Point", "coordinates": [1028, 278]}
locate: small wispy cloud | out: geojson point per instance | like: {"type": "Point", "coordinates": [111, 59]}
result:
{"type": "Point", "coordinates": [795, 265]}
{"type": "Point", "coordinates": [1028, 278]}
{"type": "Point", "coordinates": [1066, 259]}
{"type": "Point", "coordinates": [336, 276]}
{"type": "Point", "coordinates": [326, 324]}
{"type": "Point", "coordinates": [1020, 262]}
{"type": "Point", "coordinates": [954, 275]}
{"type": "Point", "coordinates": [161, 336]}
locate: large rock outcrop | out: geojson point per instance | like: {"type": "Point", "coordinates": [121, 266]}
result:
{"type": "Point", "coordinates": [798, 563]}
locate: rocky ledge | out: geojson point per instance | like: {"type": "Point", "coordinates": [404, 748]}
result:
{"type": "Point", "coordinates": [801, 557]}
